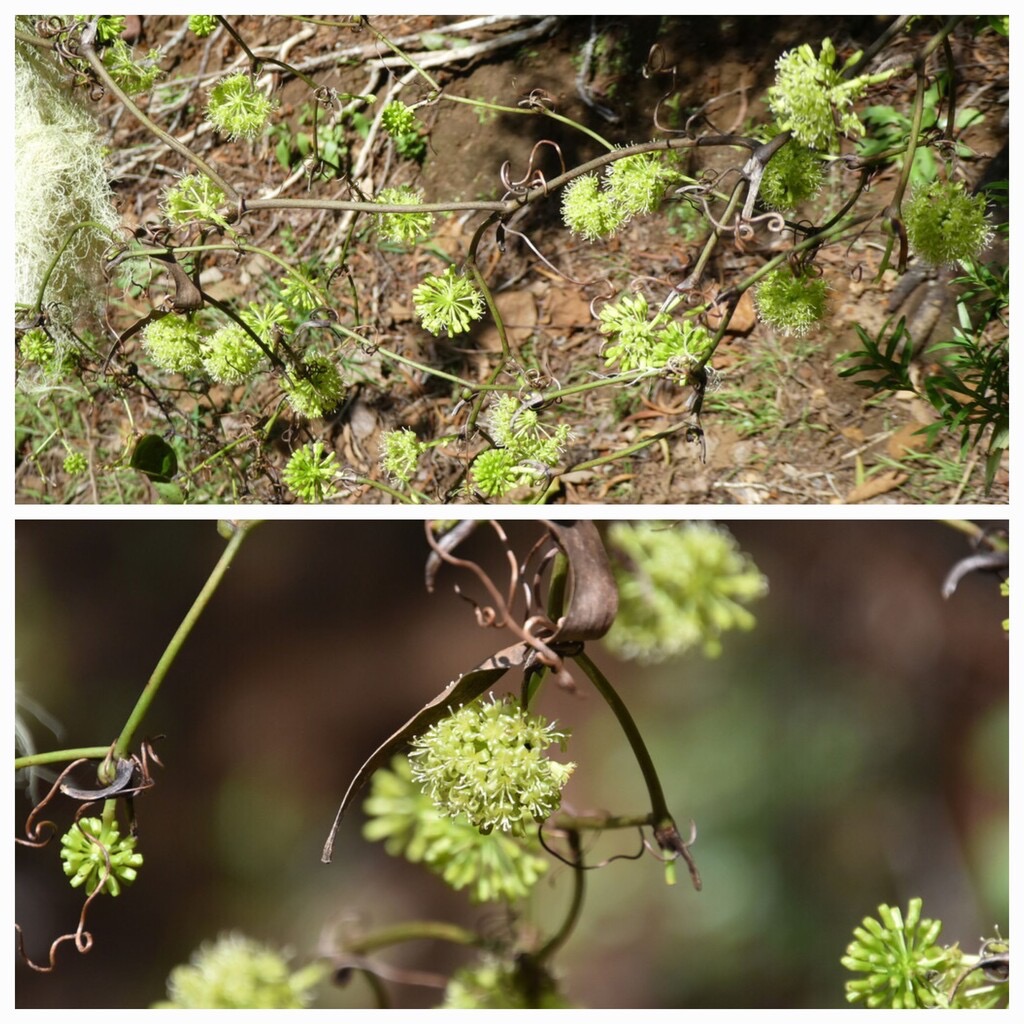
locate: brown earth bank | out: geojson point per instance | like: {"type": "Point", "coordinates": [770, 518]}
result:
{"type": "Point", "coordinates": [780, 425]}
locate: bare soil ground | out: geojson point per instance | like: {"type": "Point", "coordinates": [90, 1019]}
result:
{"type": "Point", "coordinates": [782, 426]}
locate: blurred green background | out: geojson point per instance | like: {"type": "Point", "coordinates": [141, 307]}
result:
{"type": "Point", "coordinates": [851, 749]}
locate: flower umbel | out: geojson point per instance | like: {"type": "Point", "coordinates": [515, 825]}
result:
{"type": "Point", "coordinates": [789, 302]}
{"type": "Point", "coordinates": [945, 224]}
{"type": "Point", "coordinates": [238, 973]}
{"type": "Point", "coordinates": [316, 387]}
{"type": "Point", "coordinates": [900, 959]}
{"type": "Point", "coordinates": [680, 586]}
{"type": "Point", "coordinates": [94, 853]}
{"type": "Point", "coordinates": [173, 343]}
{"type": "Point", "coordinates": [485, 761]}
{"type": "Point", "coordinates": [399, 453]}
{"type": "Point", "coordinates": [490, 866]}
{"type": "Point", "coordinates": [812, 99]}
{"type": "Point", "coordinates": [202, 24]}
{"type": "Point", "coordinates": [231, 356]}
{"type": "Point", "coordinates": [312, 474]}
{"type": "Point", "coordinates": [406, 228]}
{"type": "Point", "coordinates": [194, 198]}
{"type": "Point", "coordinates": [447, 303]}
{"type": "Point", "coordinates": [588, 210]}
{"type": "Point", "coordinates": [792, 176]}
{"type": "Point", "coordinates": [237, 108]}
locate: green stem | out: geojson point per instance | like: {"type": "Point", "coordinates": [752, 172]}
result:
{"type": "Point", "coordinates": [58, 756]}
{"type": "Point", "coordinates": [60, 252]}
{"type": "Point", "coordinates": [659, 808]}
{"type": "Point", "coordinates": [409, 931]}
{"type": "Point", "coordinates": [124, 741]}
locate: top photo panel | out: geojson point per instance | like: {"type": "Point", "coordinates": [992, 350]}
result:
{"type": "Point", "coordinates": [452, 259]}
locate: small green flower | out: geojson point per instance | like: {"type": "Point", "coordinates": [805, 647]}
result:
{"type": "Point", "coordinates": [405, 228]}
{"type": "Point", "coordinates": [447, 303]}
{"type": "Point", "coordinates": [398, 119]}
{"type": "Point", "coordinates": [131, 75]}
{"type": "Point", "coordinates": [811, 98]}
{"type": "Point", "coordinates": [266, 319]}
{"type": "Point", "coordinates": [789, 303]}
{"type": "Point", "coordinates": [900, 959]}
{"type": "Point", "coordinates": [109, 28]}
{"type": "Point", "coordinates": [75, 463]}
{"type": "Point", "coordinates": [231, 356]}
{"type": "Point", "coordinates": [316, 388]}
{"type": "Point", "coordinates": [682, 343]}
{"type": "Point", "coordinates": [517, 426]}
{"type": "Point", "coordinates": [238, 973]}
{"type": "Point", "coordinates": [495, 985]}
{"type": "Point", "coordinates": [194, 198]}
{"type": "Point", "coordinates": [485, 761]}
{"type": "Point", "coordinates": [679, 587]}
{"type": "Point", "coordinates": [299, 289]}
{"type": "Point", "coordinates": [1004, 589]}
{"type": "Point", "coordinates": [173, 343]}
{"type": "Point", "coordinates": [792, 176]}
{"type": "Point", "coordinates": [312, 474]}
{"type": "Point", "coordinates": [237, 108]}
{"type": "Point", "coordinates": [489, 866]}
{"type": "Point", "coordinates": [400, 451]}
{"type": "Point", "coordinates": [946, 225]}
{"type": "Point", "coordinates": [636, 184]}
{"type": "Point", "coordinates": [37, 346]}
{"type": "Point", "coordinates": [495, 472]}
{"type": "Point", "coordinates": [588, 210]}
{"type": "Point", "coordinates": [202, 25]}
{"type": "Point", "coordinates": [633, 336]}
{"type": "Point", "coordinates": [94, 853]}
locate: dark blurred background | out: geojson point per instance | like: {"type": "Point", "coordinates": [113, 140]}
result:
{"type": "Point", "coordinates": [852, 749]}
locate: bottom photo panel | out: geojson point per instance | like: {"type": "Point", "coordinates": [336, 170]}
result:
{"type": "Point", "coordinates": [675, 764]}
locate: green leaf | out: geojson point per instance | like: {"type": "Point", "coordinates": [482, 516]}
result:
{"type": "Point", "coordinates": [170, 494]}
{"type": "Point", "coordinates": [155, 457]}
{"type": "Point", "coordinates": [432, 40]}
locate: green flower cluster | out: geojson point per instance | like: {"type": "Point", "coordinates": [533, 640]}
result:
{"type": "Point", "coordinates": [202, 25]}
{"type": "Point", "coordinates": [238, 973]}
{"type": "Point", "coordinates": [75, 463]}
{"type": "Point", "coordinates": [316, 388]}
{"type": "Point", "coordinates": [811, 98]}
{"type": "Point", "coordinates": [946, 225]}
{"type": "Point", "coordinates": [524, 448]}
{"type": "Point", "coordinates": [791, 304]}
{"type": "Point", "coordinates": [632, 185]}
{"type": "Point", "coordinates": [89, 846]}
{"type": "Point", "coordinates": [449, 303]}
{"type": "Point", "coordinates": [311, 474]}
{"type": "Point", "coordinates": [237, 108]}
{"type": "Point", "coordinates": [486, 762]}
{"type": "Point", "coordinates": [131, 75]}
{"type": "Point", "coordinates": [174, 343]}
{"type": "Point", "coordinates": [231, 356]}
{"type": "Point", "coordinates": [194, 198]}
{"type": "Point", "coordinates": [638, 342]}
{"type": "Point", "coordinates": [39, 348]}
{"type": "Point", "coordinates": [792, 176]}
{"type": "Point", "coordinates": [404, 228]}
{"type": "Point", "coordinates": [490, 866]}
{"type": "Point", "coordinates": [497, 985]}
{"type": "Point", "coordinates": [679, 587]}
{"type": "Point", "coordinates": [400, 451]}
{"type": "Point", "coordinates": [900, 959]}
